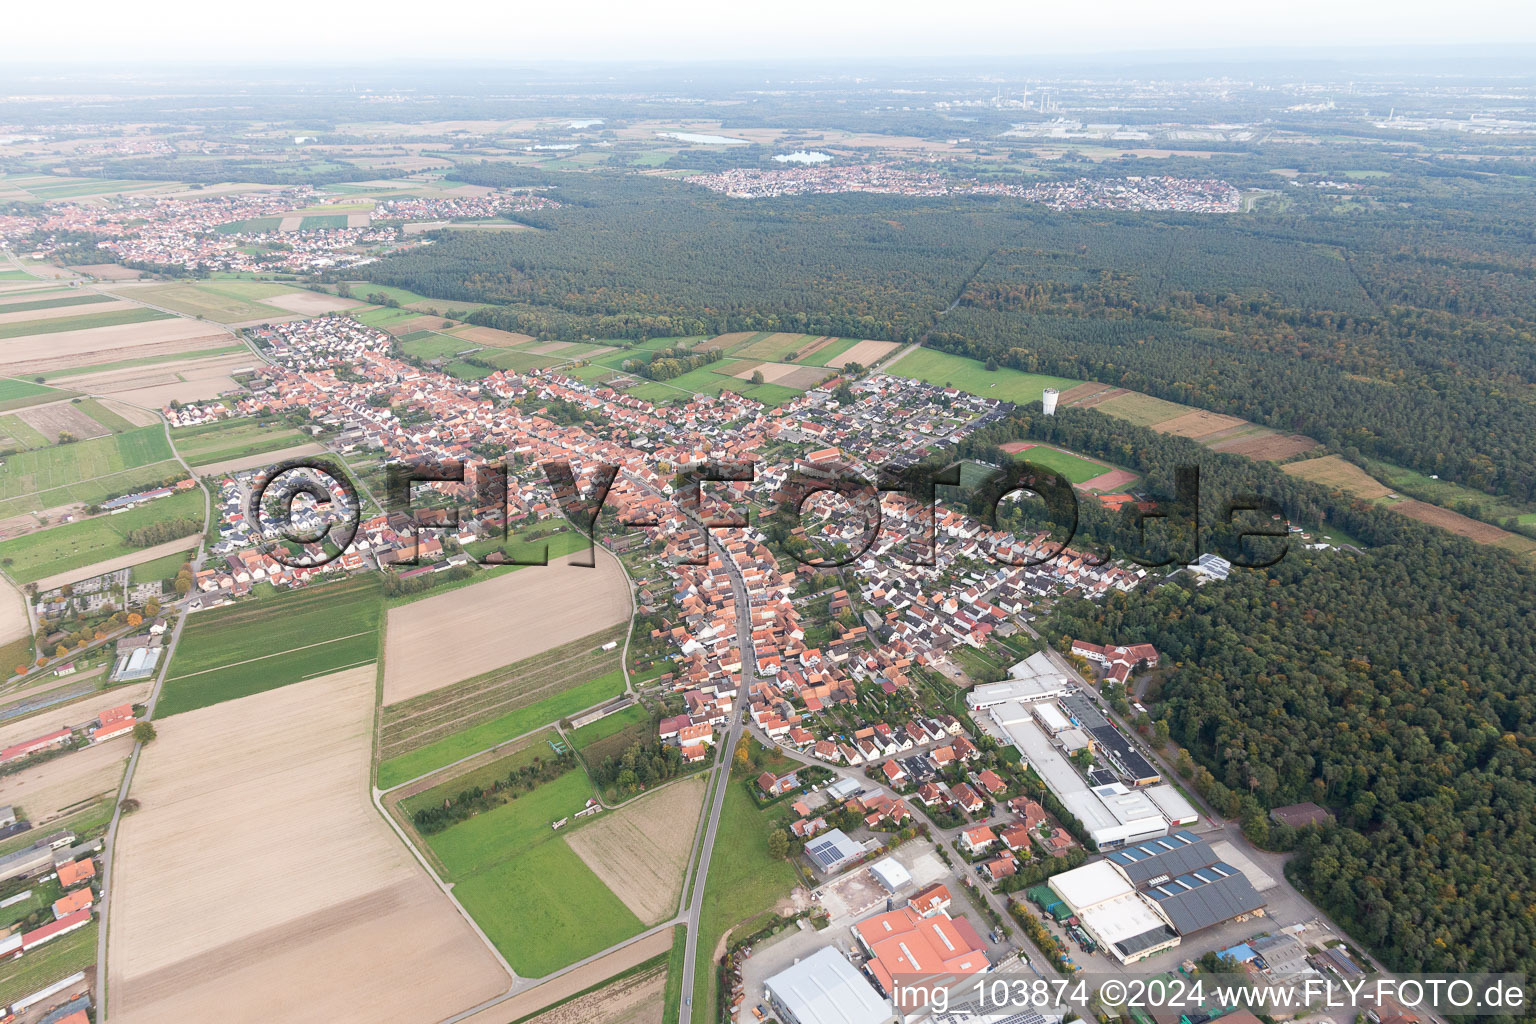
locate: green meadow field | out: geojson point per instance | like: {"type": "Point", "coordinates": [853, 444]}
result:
{"type": "Point", "coordinates": [74, 545]}
{"type": "Point", "coordinates": [542, 907]}
{"type": "Point", "coordinates": [82, 322]}
{"type": "Point", "coordinates": [946, 370]}
{"type": "Point", "coordinates": [260, 645]}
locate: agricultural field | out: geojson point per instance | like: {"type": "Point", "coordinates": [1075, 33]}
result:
{"type": "Point", "coordinates": [156, 340]}
{"type": "Point", "coordinates": [640, 851]}
{"type": "Point", "coordinates": [1004, 383]}
{"type": "Point", "coordinates": [273, 789]}
{"type": "Point", "coordinates": [234, 439]}
{"type": "Point", "coordinates": [510, 617]}
{"type": "Point", "coordinates": [232, 652]}
{"type": "Point", "coordinates": [523, 884]}
{"type": "Point", "coordinates": [482, 771]}
{"type": "Point", "coordinates": [18, 394]}
{"type": "Point", "coordinates": [774, 347]}
{"type": "Point", "coordinates": [1448, 493]}
{"type": "Point", "coordinates": [62, 548]}
{"type": "Point", "coordinates": [822, 353]}
{"type": "Point", "coordinates": [1333, 471]}
{"type": "Point", "coordinates": [79, 322]}
{"type": "Point", "coordinates": [609, 725]}
{"type": "Point", "coordinates": [423, 734]}
{"type": "Point", "coordinates": [634, 998]}
{"type": "Point", "coordinates": [51, 300]}
{"type": "Point", "coordinates": [224, 302]}
{"type": "Point", "coordinates": [55, 961]}
{"type": "Point", "coordinates": [1142, 410]}
{"type": "Point", "coordinates": [60, 784]}
{"type": "Point", "coordinates": [32, 472]}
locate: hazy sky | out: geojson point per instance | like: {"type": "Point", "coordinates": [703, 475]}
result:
{"type": "Point", "coordinates": [521, 31]}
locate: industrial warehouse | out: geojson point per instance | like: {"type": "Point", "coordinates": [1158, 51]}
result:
{"type": "Point", "coordinates": [1049, 719]}
{"type": "Point", "coordinates": [1144, 899]}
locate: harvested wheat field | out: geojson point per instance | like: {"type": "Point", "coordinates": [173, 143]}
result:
{"type": "Point", "coordinates": [788, 374]}
{"type": "Point", "coordinates": [136, 378]}
{"type": "Point", "coordinates": [506, 619]}
{"type": "Point", "coordinates": [571, 982]}
{"type": "Point", "coordinates": [865, 353]}
{"type": "Point", "coordinates": [641, 851]}
{"type": "Point", "coordinates": [36, 353]}
{"type": "Point", "coordinates": [491, 336]}
{"type": "Point", "coordinates": [635, 999]}
{"type": "Point", "coordinates": [13, 613]}
{"type": "Point", "coordinates": [257, 884]}
{"type": "Point", "coordinates": [110, 272]}
{"type": "Point", "coordinates": [290, 224]}
{"type": "Point", "coordinates": [310, 303]}
{"type": "Point", "coordinates": [60, 783]}
{"type": "Point", "coordinates": [1334, 471]}
{"type": "Point", "coordinates": [1198, 423]}
{"type": "Point", "coordinates": [1267, 447]}
{"type": "Point", "coordinates": [1455, 522]}
{"type": "Point", "coordinates": [1087, 389]}
{"type": "Point", "coordinates": [59, 418]}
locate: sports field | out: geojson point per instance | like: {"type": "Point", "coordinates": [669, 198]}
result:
{"type": "Point", "coordinates": [1004, 383]}
{"type": "Point", "coordinates": [61, 548]}
{"type": "Point", "coordinates": [231, 652]}
{"type": "Point", "coordinates": [1075, 468]}
{"type": "Point", "coordinates": [523, 884]}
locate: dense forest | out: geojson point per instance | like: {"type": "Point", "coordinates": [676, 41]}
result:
{"type": "Point", "coordinates": [1394, 687]}
{"type": "Point", "coordinates": [1404, 332]}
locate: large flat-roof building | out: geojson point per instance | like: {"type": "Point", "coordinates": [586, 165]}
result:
{"type": "Point", "coordinates": [1110, 909]}
{"type": "Point", "coordinates": [1192, 887]}
{"type": "Point", "coordinates": [1111, 813]}
{"type": "Point", "coordinates": [1177, 880]}
{"type": "Point", "coordinates": [1034, 678]}
{"type": "Point", "coordinates": [825, 988]}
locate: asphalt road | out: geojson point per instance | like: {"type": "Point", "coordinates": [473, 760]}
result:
{"type": "Point", "coordinates": [721, 780]}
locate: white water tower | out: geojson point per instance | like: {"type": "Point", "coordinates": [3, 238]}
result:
{"type": "Point", "coordinates": [1048, 401]}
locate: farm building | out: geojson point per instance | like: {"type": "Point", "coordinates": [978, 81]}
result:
{"type": "Point", "coordinates": [825, 988]}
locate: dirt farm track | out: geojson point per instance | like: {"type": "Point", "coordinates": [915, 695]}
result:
{"type": "Point", "coordinates": [506, 619]}
{"type": "Point", "coordinates": [256, 883]}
